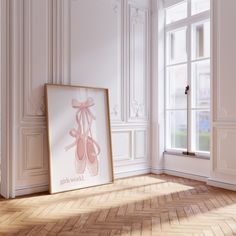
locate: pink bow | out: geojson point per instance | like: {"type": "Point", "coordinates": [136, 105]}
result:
{"type": "Point", "coordinates": [83, 116]}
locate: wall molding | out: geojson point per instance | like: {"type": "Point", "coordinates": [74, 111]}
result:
{"type": "Point", "coordinates": [222, 113]}
{"type": "Point", "coordinates": [129, 155]}
{"type": "Point", "coordinates": [157, 171]}
{"type": "Point", "coordinates": [125, 174]}
{"type": "Point", "coordinates": [218, 184]}
{"type": "Point", "coordinates": [138, 156]}
{"type": "Point", "coordinates": [6, 103]}
{"type": "Point", "coordinates": [220, 136]}
{"type": "Point", "coordinates": [61, 42]}
{"type": "Point", "coordinates": [117, 111]}
{"type": "Point", "coordinates": [36, 55]}
{"type": "Point", "coordinates": [185, 175]}
{"type": "Point", "coordinates": [138, 83]}
{"type": "Point", "coordinates": [31, 190]}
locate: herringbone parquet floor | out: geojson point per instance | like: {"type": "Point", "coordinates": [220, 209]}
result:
{"type": "Point", "coordinates": [143, 205]}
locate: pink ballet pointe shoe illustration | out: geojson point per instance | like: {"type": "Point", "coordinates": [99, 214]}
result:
{"type": "Point", "coordinates": [87, 149]}
{"type": "Point", "coordinates": [93, 151]}
{"type": "Point", "coordinates": [80, 154]}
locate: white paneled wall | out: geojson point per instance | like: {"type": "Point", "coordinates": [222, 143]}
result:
{"type": "Point", "coordinates": [102, 43]}
{"type": "Point", "coordinates": [110, 48]}
{"type": "Point", "coordinates": [5, 177]}
{"type": "Point", "coordinates": [32, 29]}
{"type": "Point", "coordinates": [96, 48]}
{"type": "Point", "coordinates": [223, 168]}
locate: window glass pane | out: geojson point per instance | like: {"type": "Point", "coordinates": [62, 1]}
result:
{"type": "Point", "coordinates": [201, 131]}
{"type": "Point", "coordinates": [176, 12]}
{"type": "Point", "coordinates": [201, 84]}
{"type": "Point", "coordinates": [201, 40]}
{"type": "Point", "coordinates": [177, 130]}
{"type": "Point", "coordinates": [176, 46]}
{"type": "Point", "coordinates": [175, 87]}
{"type": "Point", "coordinates": [199, 6]}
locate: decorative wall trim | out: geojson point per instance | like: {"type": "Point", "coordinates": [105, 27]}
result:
{"type": "Point", "coordinates": [34, 160]}
{"type": "Point", "coordinates": [116, 6]}
{"type": "Point", "coordinates": [210, 182]}
{"type": "Point", "coordinates": [131, 163]}
{"type": "Point", "coordinates": [15, 75]}
{"type": "Point", "coordinates": [6, 103]}
{"type": "Point", "coordinates": [219, 184]}
{"type": "Point", "coordinates": [61, 42]}
{"type": "Point", "coordinates": [126, 174]}
{"type": "Point", "coordinates": [117, 111]}
{"type": "Point", "coordinates": [144, 144]}
{"type": "Point", "coordinates": [185, 175]}
{"type": "Point", "coordinates": [157, 171]}
{"type": "Point", "coordinates": [138, 61]}
{"type": "Point", "coordinates": [222, 113]}
{"type": "Point", "coordinates": [222, 153]}
{"type": "Point", "coordinates": [31, 190]}
{"type": "Point", "coordinates": [37, 66]}
{"type": "Point", "coordinates": [129, 155]}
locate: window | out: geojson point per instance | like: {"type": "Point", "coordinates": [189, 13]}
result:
{"type": "Point", "coordinates": [187, 76]}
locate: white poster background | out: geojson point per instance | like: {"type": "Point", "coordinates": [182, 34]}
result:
{"type": "Point", "coordinates": [62, 119]}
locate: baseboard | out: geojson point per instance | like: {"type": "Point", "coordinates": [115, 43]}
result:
{"type": "Point", "coordinates": [31, 190]}
{"type": "Point", "coordinates": [120, 175]}
{"type": "Point", "coordinates": [219, 184]}
{"type": "Point", "coordinates": [185, 175]}
{"type": "Point", "coordinates": [157, 171]}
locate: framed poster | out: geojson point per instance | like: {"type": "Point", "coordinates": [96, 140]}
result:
{"type": "Point", "coordinates": [79, 137]}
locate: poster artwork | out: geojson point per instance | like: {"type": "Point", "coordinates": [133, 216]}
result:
{"type": "Point", "coordinates": [79, 136]}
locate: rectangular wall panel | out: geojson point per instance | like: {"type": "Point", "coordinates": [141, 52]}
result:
{"type": "Point", "coordinates": [32, 166]}
{"type": "Point", "coordinates": [97, 49]}
{"type": "Point", "coordinates": [122, 145]}
{"type": "Point", "coordinates": [140, 145]}
{"type": "Point", "coordinates": [139, 62]}
{"type": "Point", "coordinates": [223, 161]}
{"type": "Point", "coordinates": [224, 143]}
{"type": "Point", "coordinates": [37, 32]}
{"type": "Point", "coordinates": [32, 29]}
{"type": "Point", "coordinates": [34, 149]}
{"type": "Point", "coordinates": [225, 37]}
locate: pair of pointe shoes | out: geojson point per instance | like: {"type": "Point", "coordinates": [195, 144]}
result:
{"type": "Point", "coordinates": [87, 149]}
{"type": "Point", "coordinates": [86, 155]}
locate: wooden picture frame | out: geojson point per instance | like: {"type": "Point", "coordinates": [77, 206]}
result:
{"type": "Point", "coordinates": [79, 137]}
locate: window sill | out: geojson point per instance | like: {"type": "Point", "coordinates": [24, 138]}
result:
{"type": "Point", "coordinates": [197, 156]}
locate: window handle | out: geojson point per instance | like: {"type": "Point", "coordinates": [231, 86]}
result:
{"type": "Point", "coordinates": [186, 89]}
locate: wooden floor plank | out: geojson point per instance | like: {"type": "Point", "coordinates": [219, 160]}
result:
{"type": "Point", "coordinates": [141, 205]}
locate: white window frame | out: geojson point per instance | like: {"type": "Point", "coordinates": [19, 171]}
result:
{"type": "Point", "coordinates": [186, 23]}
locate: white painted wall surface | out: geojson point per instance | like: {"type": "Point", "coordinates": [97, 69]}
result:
{"type": "Point", "coordinates": [6, 178]}
{"type": "Point", "coordinates": [223, 164]}
{"type": "Point", "coordinates": [102, 43]}
{"type": "Point", "coordinates": [109, 47]}
{"type": "Point", "coordinates": [189, 166]}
